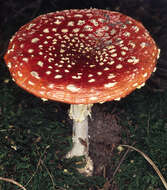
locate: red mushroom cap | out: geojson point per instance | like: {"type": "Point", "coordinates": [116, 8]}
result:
{"type": "Point", "coordinates": [81, 56]}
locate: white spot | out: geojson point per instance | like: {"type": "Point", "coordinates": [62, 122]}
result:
{"type": "Point", "coordinates": [154, 69]}
{"type": "Point", "coordinates": [50, 59]}
{"type": "Point", "coordinates": [140, 86]}
{"type": "Point", "coordinates": [30, 26]}
{"type": "Point", "coordinates": [57, 22]}
{"type": "Point", "coordinates": [99, 73]}
{"type": "Point", "coordinates": [40, 53]}
{"type": "Point", "coordinates": [34, 40]}
{"type": "Point", "coordinates": [111, 75]}
{"type": "Point", "coordinates": [46, 30]}
{"type": "Point", "coordinates": [127, 34]}
{"type": "Point", "coordinates": [40, 63]}
{"type": "Point", "coordinates": [40, 46]}
{"type": "Point", "coordinates": [143, 44]}
{"type": "Point", "coordinates": [123, 52]}
{"type": "Point", "coordinates": [54, 29]}
{"type": "Point", "coordinates": [145, 52]}
{"type": "Point", "coordinates": [76, 77]}
{"type": "Point", "coordinates": [145, 75]}
{"type": "Point", "coordinates": [106, 69]}
{"type": "Point", "coordinates": [60, 17]}
{"type": "Point", "coordinates": [54, 41]}
{"type": "Point", "coordinates": [58, 76]}
{"type": "Point", "coordinates": [45, 42]}
{"type": "Point", "coordinates": [51, 86]}
{"type": "Point", "coordinates": [62, 50]}
{"type": "Point", "coordinates": [101, 63]}
{"type": "Point", "coordinates": [25, 59]}
{"type": "Point", "coordinates": [64, 30]}
{"type": "Point", "coordinates": [114, 55]}
{"type": "Point", "coordinates": [81, 35]}
{"type": "Point", "coordinates": [72, 88]}
{"type": "Point", "coordinates": [48, 72]}
{"type": "Point", "coordinates": [91, 80]}
{"type": "Point", "coordinates": [111, 63]}
{"type": "Point", "coordinates": [119, 41]}
{"type": "Point", "coordinates": [22, 46]}
{"type": "Point", "coordinates": [48, 37]}
{"type": "Point", "coordinates": [101, 20]}
{"type": "Point", "coordinates": [88, 28]}
{"type": "Point", "coordinates": [69, 66]}
{"type": "Point", "coordinates": [136, 29]}
{"type": "Point", "coordinates": [20, 74]}
{"type": "Point", "coordinates": [135, 84]}
{"type": "Point", "coordinates": [44, 99]}
{"type": "Point", "coordinates": [71, 23]}
{"type": "Point", "coordinates": [31, 83]}
{"type": "Point", "coordinates": [158, 53]}
{"type": "Point", "coordinates": [125, 48]}
{"type": "Point", "coordinates": [133, 60]}
{"type": "Point", "coordinates": [90, 75]}
{"type": "Point", "coordinates": [132, 44]}
{"type": "Point", "coordinates": [35, 74]}
{"type": "Point", "coordinates": [94, 22]}
{"type": "Point", "coordinates": [30, 50]}
{"type": "Point", "coordinates": [113, 31]}
{"type": "Point", "coordinates": [78, 15]}
{"type": "Point", "coordinates": [112, 50]}
{"type": "Point", "coordinates": [117, 99]}
{"type": "Point", "coordinates": [76, 30]}
{"type": "Point", "coordinates": [108, 85]}
{"type": "Point", "coordinates": [120, 58]}
{"type": "Point", "coordinates": [93, 98]}
{"type": "Point", "coordinates": [9, 64]}
{"type": "Point", "coordinates": [119, 66]}
{"type": "Point", "coordinates": [81, 22]}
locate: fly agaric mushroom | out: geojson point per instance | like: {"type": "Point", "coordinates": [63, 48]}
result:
{"type": "Point", "coordinates": [81, 57]}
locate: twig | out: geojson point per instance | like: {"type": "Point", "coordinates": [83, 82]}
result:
{"type": "Point", "coordinates": [120, 162]}
{"type": "Point", "coordinates": [12, 181]}
{"type": "Point", "coordinates": [38, 164]}
{"type": "Point", "coordinates": [50, 175]}
{"type": "Point", "coordinates": [151, 163]}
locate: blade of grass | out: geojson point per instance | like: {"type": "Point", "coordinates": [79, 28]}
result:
{"type": "Point", "coordinates": [121, 161]}
{"type": "Point", "coordinates": [150, 162]}
{"type": "Point", "coordinates": [38, 164]}
{"type": "Point", "coordinates": [50, 175]}
{"type": "Point", "coordinates": [12, 181]}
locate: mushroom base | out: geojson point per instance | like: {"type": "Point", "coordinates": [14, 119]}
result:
{"type": "Point", "coordinates": [79, 114]}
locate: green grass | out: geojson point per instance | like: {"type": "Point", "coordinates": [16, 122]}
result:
{"type": "Point", "coordinates": [35, 136]}
{"type": "Point", "coordinates": [145, 115]}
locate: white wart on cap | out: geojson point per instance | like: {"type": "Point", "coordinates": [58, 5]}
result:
{"type": "Point", "coordinates": [81, 56]}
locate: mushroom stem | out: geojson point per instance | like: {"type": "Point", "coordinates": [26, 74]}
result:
{"type": "Point", "coordinates": [79, 114]}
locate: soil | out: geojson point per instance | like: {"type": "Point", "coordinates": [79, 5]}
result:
{"type": "Point", "coordinates": [105, 136]}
